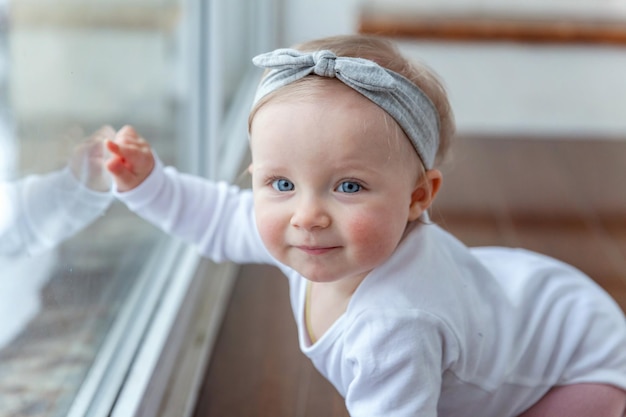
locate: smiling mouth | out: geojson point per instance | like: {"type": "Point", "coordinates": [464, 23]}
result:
{"type": "Point", "coordinates": [316, 250]}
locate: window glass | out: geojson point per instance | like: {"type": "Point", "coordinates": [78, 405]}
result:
{"type": "Point", "coordinates": [70, 256]}
{"type": "Point", "coordinates": [81, 278]}
{"type": "Point", "coordinates": [238, 39]}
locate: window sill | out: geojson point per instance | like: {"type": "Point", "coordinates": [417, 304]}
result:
{"type": "Point", "coordinates": [169, 366]}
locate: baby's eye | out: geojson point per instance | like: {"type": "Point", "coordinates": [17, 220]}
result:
{"type": "Point", "coordinates": [282, 185]}
{"type": "Point", "coordinates": [349, 187]}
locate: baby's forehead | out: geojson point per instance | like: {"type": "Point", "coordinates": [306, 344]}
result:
{"type": "Point", "coordinates": [335, 122]}
{"type": "Point", "coordinates": [327, 104]}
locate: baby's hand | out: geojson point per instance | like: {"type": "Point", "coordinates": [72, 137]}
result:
{"type": "Point", "coordinates": [131, 161]}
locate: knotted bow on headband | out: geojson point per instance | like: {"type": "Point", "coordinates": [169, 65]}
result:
{"type": "Point", "coordinates": [403, 100]}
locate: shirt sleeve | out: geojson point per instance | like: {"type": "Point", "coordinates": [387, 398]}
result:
{"type": "Point", "coordinates": [397, 363]}
{"type": "Point", "coordinates": [215, 217]}
{"type": "Point", "coordinates": [39, 212]}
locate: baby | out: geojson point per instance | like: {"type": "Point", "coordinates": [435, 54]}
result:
{"type": "Point", "coordinates": [402, 318]}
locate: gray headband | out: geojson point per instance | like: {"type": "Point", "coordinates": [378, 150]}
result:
{"type": "Point", "coordinates": [399, 97]}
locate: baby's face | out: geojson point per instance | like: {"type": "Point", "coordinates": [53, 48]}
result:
{"type": "Point", "coordinates": [332, 184]}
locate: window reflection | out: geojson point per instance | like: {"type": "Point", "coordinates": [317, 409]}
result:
{"type": "Point", "coordinates": [40, 211]}
{"type": "Point", "coordinates": [66, 69]}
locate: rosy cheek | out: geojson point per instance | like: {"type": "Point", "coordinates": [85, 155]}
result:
{"type": "Point", "coordinates": [373, 237]}
{"type": "Point", "coordinates": [360, 228]}
{"type": "Point", "coordinates": [270, 230]}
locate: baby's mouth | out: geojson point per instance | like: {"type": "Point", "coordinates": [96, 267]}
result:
{"type": "Point", "coordinates": [316, 250]}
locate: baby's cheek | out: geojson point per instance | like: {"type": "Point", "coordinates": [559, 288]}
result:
{"type": "Point", "coordinates": [372, 237]}
{"type": "Point", "coordinates": [361, 228]}
{"type": "Point", "coordinates": [269, 230]}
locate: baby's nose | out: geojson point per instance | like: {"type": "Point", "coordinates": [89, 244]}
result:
{"type": "Point", "coordinates": [310, 215]}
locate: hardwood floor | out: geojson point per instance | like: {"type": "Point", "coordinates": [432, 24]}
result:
{"type": "Point", "coordinates": [565, 198]}
{"type": "Point", "coordinates": [257, 368]}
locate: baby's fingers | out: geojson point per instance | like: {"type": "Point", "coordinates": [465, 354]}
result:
{"type": "Point", "coordinates": [138, 159]}
{"type": "Point", "coordinates": [125, 180]}
{"type": "Point", "coordinates": [127, 135]}
{"type": "Point", "coordinates": [118, 155]}
{"type": "Point", "coordinates": [113, 148]}
{"type": "Point", "coordinates": [132, 159]}
{"type": "Point", "coordinates": [130, 154]}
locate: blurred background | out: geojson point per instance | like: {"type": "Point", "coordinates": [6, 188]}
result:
{"type": "Point", "coordinates": [505, 87]}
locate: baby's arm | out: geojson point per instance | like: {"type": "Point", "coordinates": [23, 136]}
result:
{"type": "Point", "coordinates": [215, 217]}
{"type": "Point", "coordinates": [397, 359]}
{"type": "Point", "coordinates": [132, 159]}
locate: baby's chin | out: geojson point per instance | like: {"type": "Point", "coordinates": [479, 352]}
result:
{"type": "Point", "coordinates": [318, 276]}
{"type": "Point", "coordinates": [322, 277]}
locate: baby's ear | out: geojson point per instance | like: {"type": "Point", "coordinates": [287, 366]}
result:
{"type": "Point", "coordinates": [250, 168]}
{"type": "Point", "coordinates": [424, 193]}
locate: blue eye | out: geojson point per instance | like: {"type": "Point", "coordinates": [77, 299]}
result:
{"type": "Point", "coordinates": [282, 185]}
{"type": "Point", "coordinates": [349, 187]}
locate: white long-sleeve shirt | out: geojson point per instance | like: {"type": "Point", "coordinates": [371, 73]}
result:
{"type": "Point", "coordinates": [438, 329]}
{"type": "Point", "coordinates": [39, 212]}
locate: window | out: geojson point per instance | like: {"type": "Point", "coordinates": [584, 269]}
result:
{"type": "Point", "coordinates": [87, 325]}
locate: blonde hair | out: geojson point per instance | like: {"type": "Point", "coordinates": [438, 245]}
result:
{"type": "Point", "coordinates": [385, 54]}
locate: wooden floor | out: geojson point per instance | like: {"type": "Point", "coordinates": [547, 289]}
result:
{"type": "Point", "coordinates": [563, 198]}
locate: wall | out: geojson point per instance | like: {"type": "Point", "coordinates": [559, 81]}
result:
{"type": "Point", "coordinates": [510, 88]}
